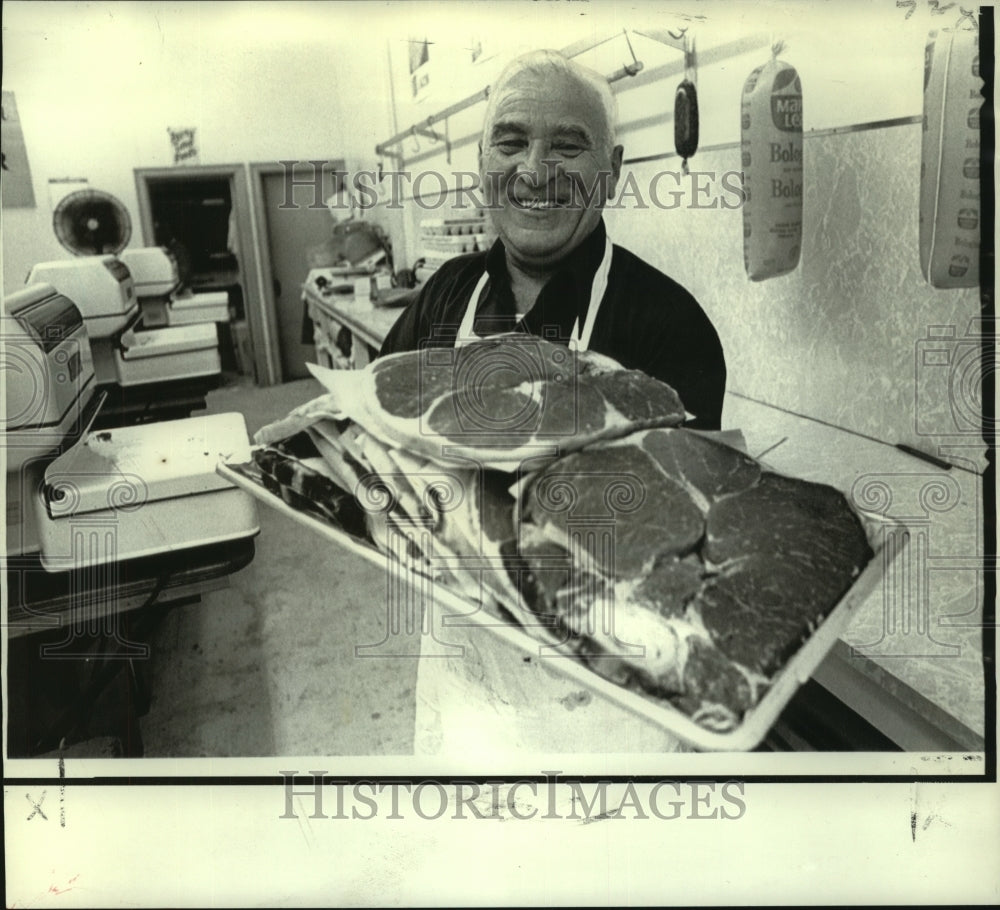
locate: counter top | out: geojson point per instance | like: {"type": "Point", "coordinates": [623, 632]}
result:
{"type": "Point", "coordinates": [918, 636]}
{"type": "Point", "coordinates": [369, 322]}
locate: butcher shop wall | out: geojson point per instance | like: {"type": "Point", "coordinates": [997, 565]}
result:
{"type": "Point", "coordinates": [843, 337]}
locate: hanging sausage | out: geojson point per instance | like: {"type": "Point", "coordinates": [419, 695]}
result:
{"type": "Point", "coordinates": [686, 108]}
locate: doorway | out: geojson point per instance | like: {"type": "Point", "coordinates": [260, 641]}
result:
{"type": "Point", "coordinates": [290, 219]}
{"type": "Point", "coordinates": [201, 213]}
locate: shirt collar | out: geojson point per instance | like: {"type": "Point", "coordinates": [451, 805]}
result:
{"type": "Point", "coordinates": [578, 268]}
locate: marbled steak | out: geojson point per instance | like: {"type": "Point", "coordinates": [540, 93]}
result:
{"type": "Point", "coordinates": [675, 564]}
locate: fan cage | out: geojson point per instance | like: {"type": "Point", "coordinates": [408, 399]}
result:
{"type": "Point", "coordinates": [92, 223]}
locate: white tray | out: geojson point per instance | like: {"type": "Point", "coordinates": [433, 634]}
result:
{"type": "Point", "coordinates": [170, 340]}
{"type": "Point", "coordinates": [756, 722]}
{"type": "Point", "coordinates": [209, 306]}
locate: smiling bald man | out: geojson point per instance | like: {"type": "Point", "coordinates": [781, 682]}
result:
{"type": "Point", "coordinates": [548, 164]}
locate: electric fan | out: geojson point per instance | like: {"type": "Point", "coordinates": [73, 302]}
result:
{"type": "Point", "coordinates": [92, 223]}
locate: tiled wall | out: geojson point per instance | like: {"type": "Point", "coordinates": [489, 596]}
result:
{"type": "Point", "coordinates": [840, 338]}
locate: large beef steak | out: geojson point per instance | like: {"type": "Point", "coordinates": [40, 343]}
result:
{"type": "Point", "coordinates": [682, 567]}
{"type": "Point", "coordinates": [507, 399]}
{"type": "Point", "coordinates": [561, 487]}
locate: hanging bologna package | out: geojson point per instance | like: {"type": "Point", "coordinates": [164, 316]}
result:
{"type": "Point", "coordinates": [771, 144]}
{"type": "Point", "coordinates": [949, 160]}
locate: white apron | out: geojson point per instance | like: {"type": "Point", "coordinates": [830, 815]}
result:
{"type": "Point", "coordinates": [490, 703]}
{"type": "Point", "coordinates": [579, 340]}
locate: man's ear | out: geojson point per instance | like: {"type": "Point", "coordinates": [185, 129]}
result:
{"type": "Point", "coordinates": [617, 154]}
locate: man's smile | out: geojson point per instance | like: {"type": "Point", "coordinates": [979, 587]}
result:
{"type": "Point", "coordinates": [538, 205]}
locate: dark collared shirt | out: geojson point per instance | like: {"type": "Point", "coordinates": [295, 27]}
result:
{"type": "Point", "coordinates": [646, 321]}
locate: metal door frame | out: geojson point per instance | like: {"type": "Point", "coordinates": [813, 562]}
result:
{"type": "Point", "coordinates": [263, 330]}
{"type": "Point", "coordinates": [257, 172]}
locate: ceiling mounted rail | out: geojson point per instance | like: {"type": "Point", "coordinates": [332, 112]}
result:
{"type": "Point", "coordinates": [425, 127]}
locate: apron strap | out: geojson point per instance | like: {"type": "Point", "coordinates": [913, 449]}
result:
{"type": "Point", "coordinates": [466, 335]}
{"type": "Point", "coordinates": [579, 340]}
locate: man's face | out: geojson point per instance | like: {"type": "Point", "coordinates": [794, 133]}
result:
{"type": "Point", "coordinates": [547, 167]}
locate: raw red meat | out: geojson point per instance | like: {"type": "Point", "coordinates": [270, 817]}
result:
{"type": "Point", "coordinates": [509, 399]}
{"type": "Point", "coordinates": [683, 568]}
{"type": "Point", "coordinates": [669, 562]}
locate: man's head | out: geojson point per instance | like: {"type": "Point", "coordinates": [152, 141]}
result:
{"type": "Point", "coordinates": [548, 159]}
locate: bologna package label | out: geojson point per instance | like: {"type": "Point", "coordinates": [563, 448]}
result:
{"type": "Point", "coordinates": [949, 160]}
{"type": "Point", "coordinates": [771, 145]}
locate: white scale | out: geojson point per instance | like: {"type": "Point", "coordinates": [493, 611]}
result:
{"type": "Point", "coordinates": [103, 289]}
{"type": "Point", "coordinates": [200, 306]}
{"type": "Point", "coordinates": [158, 287]}
{"type": "Point", "coordinates": [83, 498]}
{"type": "Point", "coordinates": [162, 355]}
{"type": "Point", "coordinates": [142, 490]}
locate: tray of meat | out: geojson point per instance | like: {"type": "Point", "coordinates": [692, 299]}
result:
{"type": "Point", "coordinates": [561, 494]}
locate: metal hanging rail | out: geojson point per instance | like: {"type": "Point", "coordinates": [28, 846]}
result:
{"type": "Point", "coordinates": [425, 127]}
